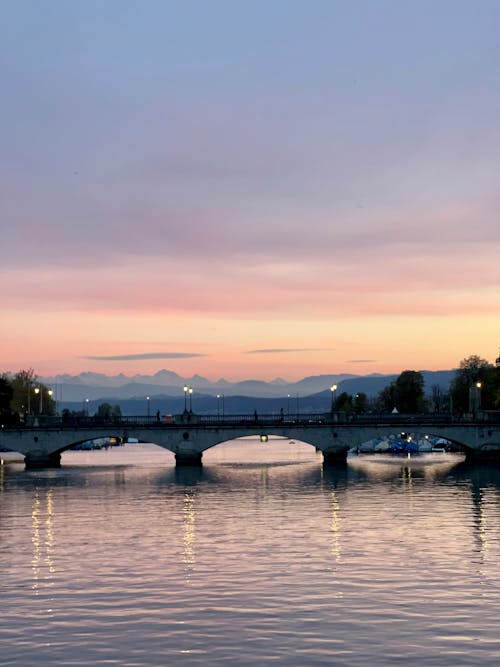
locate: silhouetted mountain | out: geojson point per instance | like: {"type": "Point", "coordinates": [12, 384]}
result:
{"type": "Point", "coordinates": [167, 388]}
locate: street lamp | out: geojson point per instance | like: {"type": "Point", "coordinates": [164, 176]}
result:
{"type": "Point", "coordinates": [475, 398]}
{"type": "Point", "coordinates": [51, 394]}
{"type": "Point", "coordinates": [186, 389]}
{"type": "Point", "coordinates": [333, 389]}
{"type": "Point", "coordinates": [87, 406]}
{"type": "Point", "coordinates": [288, 405]}
{"type": "Point", "coordinates": [147, 403]}
{"type": "Point", "coordinates": [190, 391]}
{"type": "Point", "coordinates": [478, 396]}
{"type": "Point", "coordinates": [39, 391]}
{"type": "Point", "coordinates": [220, 396]}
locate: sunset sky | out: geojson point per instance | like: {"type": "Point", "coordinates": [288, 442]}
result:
{"type": "Point", "coordinates": [251, 188]}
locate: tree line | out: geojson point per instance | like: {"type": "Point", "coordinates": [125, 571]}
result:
{"type": "Point", "coordinates": [475, 385]}
{"type": "Point", "coordinates": [23, 395]}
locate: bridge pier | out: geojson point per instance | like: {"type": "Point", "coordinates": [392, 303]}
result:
{"type": "Point", "coordinates": [482, 455]}
{"type": "Point", "coordinates": [40, 459]}
{"type": "Point", "coordinates": [335, 458]}
{"type": "Point", "coordinates": [188, 458]}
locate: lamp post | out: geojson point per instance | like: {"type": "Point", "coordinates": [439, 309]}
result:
{"type": "Point", "coordinates": [288, 405]}
{"type": "Point", "coordinates": [220, 397]}
{"type": "Point", "coordinates": [87, 407]}
{"type": "Point", "coordinates": [186, 389]}
{"type": "Point", "coordinates": [333, 389]}
{"type": "Point", "coordinates": [49, 394]}
{"type": "Point", "coordinates": [190, 391]}
{"type": "Point", "coordinates": [147, 403]}
{"type": "Point", "coordinates": [475, 398]}
{"type": "Point", "coordinates": [37, 391]}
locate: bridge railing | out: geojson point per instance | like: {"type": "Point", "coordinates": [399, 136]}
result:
{"type": "Point", "coordinates": [190, 419]}
{"type": "Point", "coordinates": [263, 419]}
{"type": "Point", "coordinates": [187, 419]}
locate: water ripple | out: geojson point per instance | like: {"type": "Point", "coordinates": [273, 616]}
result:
{"type": "Point", "coordinates": [119, 559]}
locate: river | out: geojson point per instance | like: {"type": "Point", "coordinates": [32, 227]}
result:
{"type": "Point", "coordinates": [262, 556]}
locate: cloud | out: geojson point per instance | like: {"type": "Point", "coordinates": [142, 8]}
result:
{"type": "Point", "coordinates": [360, 361]}
{"type": "Point", "coordinates": [279, 350]}
{"type": "Point", "coordinates": [146, 355]}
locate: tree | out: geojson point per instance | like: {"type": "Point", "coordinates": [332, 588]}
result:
{"type": "Point", "coordinates": [439, 400]}
{"type": "Point", "coordinates": [360, 403]}
{"type": "Point", "coordinates": [386, 398]}
{"type": "Point", "coordinates": [104, 411]}
{"type": "Point", "coordinates": [107, 411]}
{"type": "Point", "coordinates": [343, 403]}
{"type": "Point", "coordinates": [471, 370]}
{"type": "Point", "coordinates": [30, 395]}
{"type": "Point", "coordinates": [23, 396]}
{"type": "Point", "coordinates": [490, 388]}
{"type": "Point", "coordinates": [6, 393]}
{"type": "Point", "coordinates": [405, 393]}
{"type": "Point", "coordinates": [410, 392]}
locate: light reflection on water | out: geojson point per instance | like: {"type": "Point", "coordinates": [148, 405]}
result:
{"type": "Point", "coordinates": [261, 556]}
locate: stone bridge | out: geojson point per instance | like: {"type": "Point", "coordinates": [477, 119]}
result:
{"type": "Point", "coordinates": [188, 436]}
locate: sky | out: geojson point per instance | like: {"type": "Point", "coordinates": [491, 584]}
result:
{"type": "Point", "coordinates": [249, 189]}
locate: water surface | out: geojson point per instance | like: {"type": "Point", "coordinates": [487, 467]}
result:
{"type": "Point", "coordinates": [260, 557]}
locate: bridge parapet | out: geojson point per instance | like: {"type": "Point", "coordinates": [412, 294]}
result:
{"type": "Point", "coordinates": [191, 419]}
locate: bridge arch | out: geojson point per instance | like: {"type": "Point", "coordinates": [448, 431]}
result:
{"type": "Point", "coordinates": [42, 446]}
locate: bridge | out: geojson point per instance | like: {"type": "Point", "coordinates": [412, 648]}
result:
{"type": "Point", "coordinates": [42, 442]}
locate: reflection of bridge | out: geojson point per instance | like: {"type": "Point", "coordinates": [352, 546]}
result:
{"type": "Point", "coordinates": [189, 435]}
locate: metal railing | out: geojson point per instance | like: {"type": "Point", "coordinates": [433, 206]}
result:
{"type": "Point", "coordinates": [186, 419]}
{"type": "Point", "coordinates": [192, 420]}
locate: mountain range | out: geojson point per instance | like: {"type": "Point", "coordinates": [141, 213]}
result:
{"type": "Point", "coordinates": [168, 384]}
